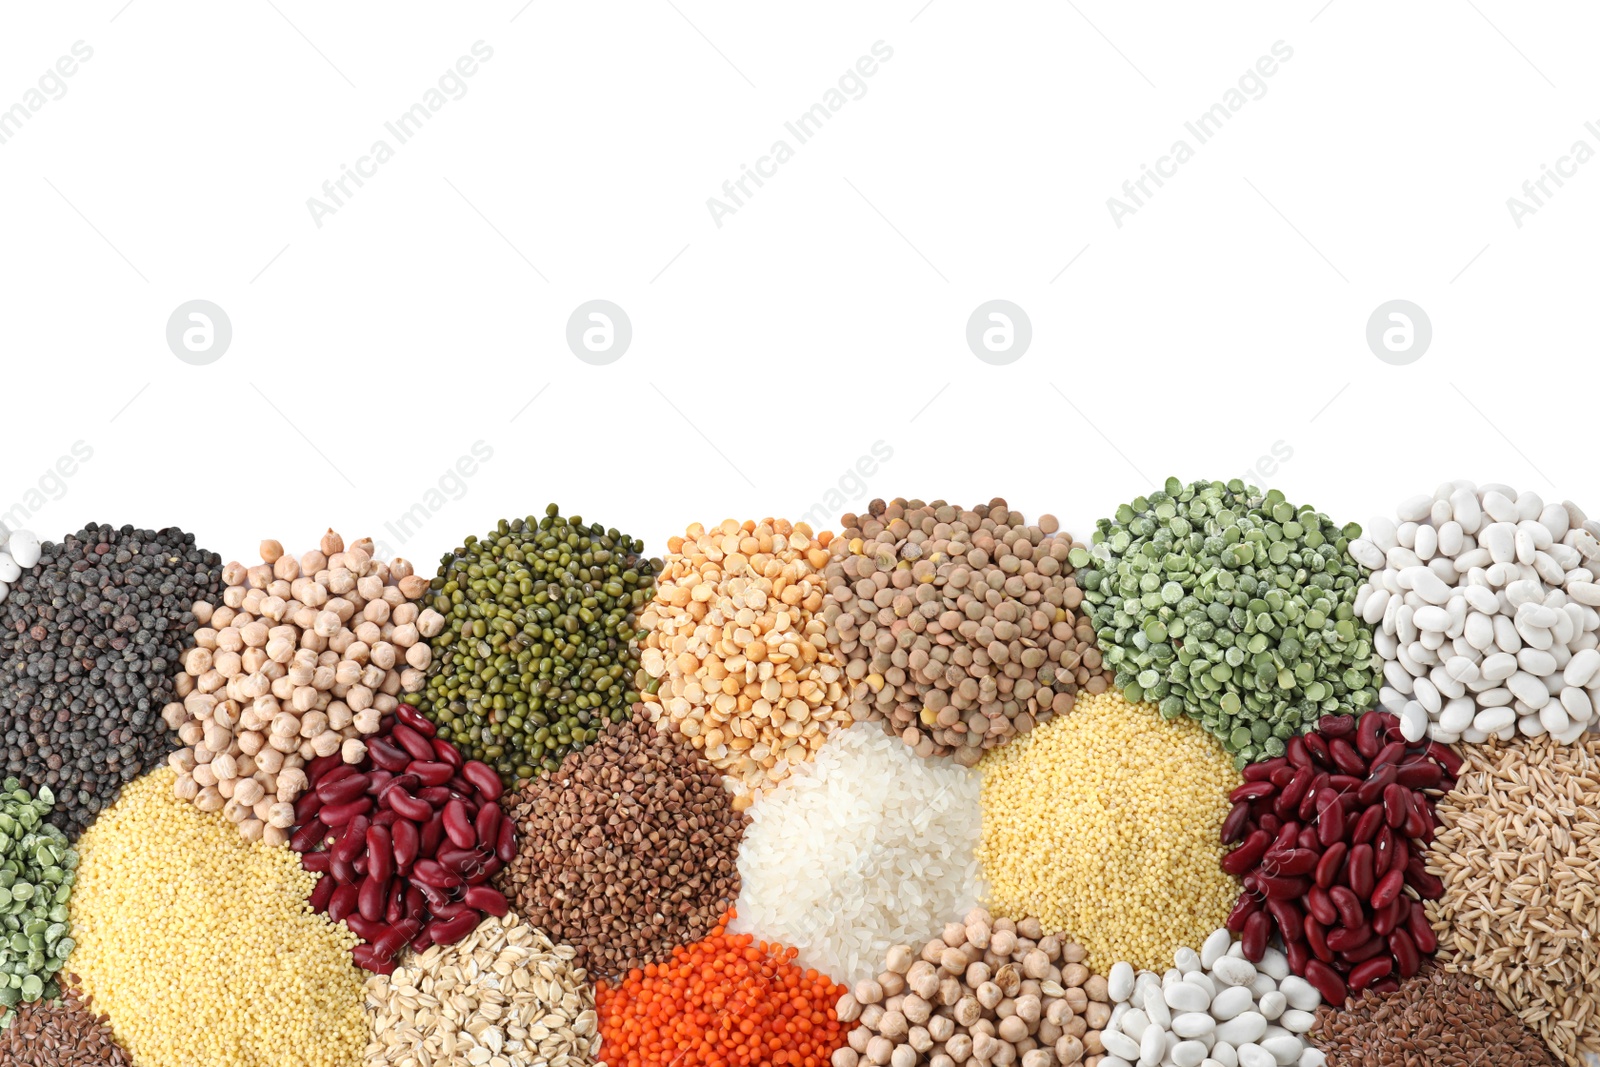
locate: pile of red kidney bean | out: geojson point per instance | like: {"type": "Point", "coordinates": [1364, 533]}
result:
{"type": "Point", "coordinates": [1331, 843]}
{"type": "Point", "coordinates": [406, 840]}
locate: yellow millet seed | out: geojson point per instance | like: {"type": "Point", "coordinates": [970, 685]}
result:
{"type": "Point", "coordinates": [201, 945]}
{"type": "Point", "coordinates": [1105, 823]}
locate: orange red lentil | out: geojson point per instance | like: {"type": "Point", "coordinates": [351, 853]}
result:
{"type": "Point", "coordinates": [725, 1001]}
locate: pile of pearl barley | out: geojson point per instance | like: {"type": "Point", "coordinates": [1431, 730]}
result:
{"type": "Point", "coordinates": [961, 627]}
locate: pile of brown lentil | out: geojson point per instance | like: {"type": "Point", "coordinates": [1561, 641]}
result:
{"type": "Point", "coordinates": [61, 1033]}
{"type": "Point", "coordinates": [627, 850]}
{"type": "Point", "coordinates": [961, 627]}
{"type": "Point", "coordinates": [1435, 1019]}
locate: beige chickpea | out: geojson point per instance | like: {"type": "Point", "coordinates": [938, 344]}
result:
{"type": "Point", "coordinates": [359, 698]}
{"type": "Point", "coordinates": [348, 672]}
{"type": "Point", "coordinates": [892, 1025]}
{"type": "Point", "coordinates": [879, 1049]}
{"type": "Point", "coordinates": [246, 765]}
{"type": "Point", "coordinates": [430, 623]}
{"type": "Point", "coordinates": [893, 984]}
{"type": "Point", "coordinates": [224, 767]}
{"type": "Point", "coordinates": [234, 810]}
{"type": "Point", "coordinates": [419, 656]}
{"type": "Point", "coordinates": [283, 688]}
{"type": "Point", "coordinates": [858, 1039]}
{"type": "Point", "coordinates": [303, 699]}
{"type": "Point", "coordinates": [291, 783]}
{"type": "Point", "coordinates": [352, 750]}
{"type": "Point", "coordinates": [368, 634]}
{"type": "Point", "coordinates": [384, 655]}
{"type": "Point", "coordinates": [1097, 1015]}
{"type": "Point", "coordinates": [845, 1056]}
{"type": "Point", "coordinates": [903, 1056]}
{"type": "Point", "coordinates": [269, 760]}
{"type": "Point", "coordinates": [313, 723]}
{"type": "Point", "coordinates": [1076, 999]}
{"type": "Point", "coordinates": [184, 787]}
{"type": "Point", "coordinates": [412, 680]}
{"type": "Point", "coordinates": [1036, 964]}
{"type": "Point", "coordinates": [248, 791]}
{"type": "Point", "coordinates": [950, 990]}
{"type": "Point", "coordinates": [324, 744]}
{"type": "Point", "coordinates": [978, 973]}
{"type": "Point", "coordinates": [868, 991]}
{"type": "Point", "coordinates": [182, 761]}
{"type": "Point", "coordinates": [203, 774]}
{"type": "Point", "coordinates": [941, 1027]}
{"type": "Point", "coordinates": [412, 586]}
{"type": "Point", "coordinates": [1097, 989]}
{"type": "Point", "coordinates": [958, 1047]}
{"type": "Point", "coordinates": [372, 676]}
{"type": "Point", "coordinates": [208, 799]}
{"type": "Point", "coordinates": [192, 733]}
{"type": "Point", "coordinates": [284, 743]}
{"type": "Point", "coordinates": [871, 1014]}
{"type": "Point", "coordinates": [281, 815]}
{"type": "Point", "coordinates": [367, 720]}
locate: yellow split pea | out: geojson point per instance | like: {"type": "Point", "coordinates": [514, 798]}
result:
{"type": "Point", "coordinates": [200, 945]}
{"type": "Point", "coordinates": [1105, 823]}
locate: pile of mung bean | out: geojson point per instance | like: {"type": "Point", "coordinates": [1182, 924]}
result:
{"type": "Point", "coordinates": [538, 650]}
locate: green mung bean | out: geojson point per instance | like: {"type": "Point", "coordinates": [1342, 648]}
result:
{"type": "Point", "coordinates": [538, 651]}
{"type": "Point", "coordinates": [1232, 606]}
{"type": "Point", "coordinates": [37, 872]}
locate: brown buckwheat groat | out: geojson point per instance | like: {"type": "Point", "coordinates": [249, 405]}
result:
{"type": "Point", "coordinates": [961, 627]}
{"type": "Point", "coordinates": [625, 851]}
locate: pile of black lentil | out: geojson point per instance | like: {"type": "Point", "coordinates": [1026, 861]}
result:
{"type": "Point", "coordinates": [89, 643]}
{"type": "Point", "coordinates": [538, 649]}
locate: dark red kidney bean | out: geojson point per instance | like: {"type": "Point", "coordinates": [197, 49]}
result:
{"type": "Point", "coordinates": [1370, 791]}
{"type": "Point", "coordinates": [432, 872]}
{"type": "Point", "coordinates": [360, 864]}
{"type": "Point", "coordinates": [1388, 889]}
{"type": "Point", "coordinates": [1336, 725]}
{"type": "Point", "coordinates": [432, 834]}
{"type": "Point", "coordinates": [343, 871]}
{"type": "Point", "coordinates": [353, 840]}
{"type": "Point", "coordinates": [1446, 757]}
{"type": "Point", "coordinates": [1352, 913]}
{"type": "Point", "coordinates": [1327, 982]}
{"type": "Point", "coordinates": [344, 902]}
{"type": "Point", "coordinates": [321, 894]}
{"type": "Point", "coordinates": [1385, 986]}
{"type": "Point", "coordinates": [418, 746]}
{"type": "Point", "coordinates": [1317, 939]}
{"type": "Point", "coordinates": [1367, 828]}
{"type": "Point", "coordinates": [483, 778]}
{"type": "Point", "coordinates": [320, 862]}
{"type": "Point", "coordinates": [1299, 955]}
{"type": "Point", "coordinates": [416, 904]}
{"type": "Point", "coordinates": [488, 870]}
{"type": "Point", "coordinates": [486, 899]}
{"type": "Point", "coordinates": [1344, 783]}
{"type": "Point", "coordinates": [1296, 861]}
{"type": "Point", "coordinates": [1401, 856]}
{"type": "Point", "coordinates": [460, 860]}
{"type": "Point", "coordinates": [1367, 743]}
{"type": "Point", "coordinates": [1373, 946]}
{"type": "Point", "coordinates": [1389, 755]}
{"type": "Point", "coordinates": [1417, 823]}
{"type": "Point", "coordinates": [1234, 827]}
{"type": "Point", "coordinates": [322, 765]}
{"type": "Point", "coordinates": [1383, 851]}
{"type": "Point", "coordinates": [368, 958]}
{"type": "Point", "coordinates": [431, 772]}
{"type": "Point", "coordinates": [1283, 888]}
{"type": "Point", "coordinates": [450, 910]}
{"type": "Point", "coordinates": [1361, 878]}
{"type": "Point", "coordinates": [395, 909]}
{"type": "Point", "coordinates": [423, 941]}
{"type": "Point", "coordinates": [372, 899]}
{"type": "Point", "coordinates": [1247, 905]}
{"type": "Point", "coordinates": [408, 806]}
{"type": "Point", "coordinates": [1329, 865]}
{"type": "Point", "coordinates": [377, 779]}
{"type": "Point", "coordinates": [1428, 886]}
{"type": "Point", "coordinates": [1247, 855]}
{"type": "Point", "coordinates": [1385, 919]}
{"type": "Point", "coordinates": [444, 750]}
{"type": "Point", "coordinates": [433, 895]}
{"type": "Point", "coordinates": [337, 815]}
{"type": "Point", "coordinates": [1290, 919]}
{"type": "Point", "coordinates": [463, 788]}
{"type": "Point", "coordinates": [1299, 785]}
{"type": "Point", "coordinates": [1258, 772]}
{"type": "Point", "coordinates": [309, 836]}
{"type": "Point", "coordinates": [1346, 758]}
{"type": "Point", "coordinates": [1295, 752]}
{"type": "Point", "coordinates": [1257, 929]}
{"type": "Point", "coordinates": [415, 719]}
{"type": "Point", "coordinates": [386, 818]}
{"type": "Point", "coordinates": [486, 824]}
{"type": "Point", "coordinates": [1308, 803]}
{"type": "Point", "coordinates": [1421, 930]}
{"type": "Point", "coordinates": [1370, 971]}
{"type": "Point", "coordinates": [389, 756]}
{"type": "Point", "coordinates": [1282, 776]}
{"type": "Point", "coordinates": [344, 790]}
{"type": "Point", "coordinates": [1349, 938]}
{"type": "Point", "coordinates": [1388, 720]}
{"type": "Point", "coordinates": [343, 770]}
{"type": "Point", "coordinates": [1396, 805]}
{"type": "Point", "coordinates": [505, 843]}
{"type": "Point", "coordinates": [380, 853]}
{"type": "Point", "coordinates": [449, 931]}
{"type": "Point", "coordinates": [436, 796]}
{"type": "Point", "coordinates": [1320, 754]}
{"type": "Point", "coordinates": [1252, 791]}
{"type": "Point", "coordinates": [306, 806]}
{"type": "Point", "coordinates": [1321, 906]}
{"type": "Point", "coordinates": [392, 940]}
{"type": "Point", "coordinates": [1268, 822]}
{"type": "Point", "coordinates": [1419, 774]}
{"type": "Point", "coordinates": [399, 781]}
{"type": "Point", "coordinates": [1330, 824]}
{"type": "Point", "coordinates": [1308, 840]}
{"type": "Point", "coordinates": [404, 838]}
{"type": "Point", "coordinates": [1285, 838]}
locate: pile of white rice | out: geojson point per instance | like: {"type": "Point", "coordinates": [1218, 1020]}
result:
{"type": "Point", "coordinates": [866, 847]}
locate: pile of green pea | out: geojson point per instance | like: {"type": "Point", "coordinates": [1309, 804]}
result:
{"type": "Point", "coordinates": [1232, 606]}
{"type": "Point", "coordinates": [538, 649]}
{"type": "Point", "coordinates": [37, 871]}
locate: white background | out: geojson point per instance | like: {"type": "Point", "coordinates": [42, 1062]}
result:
{"type": "Point", "coordinates": [1225, 317]}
